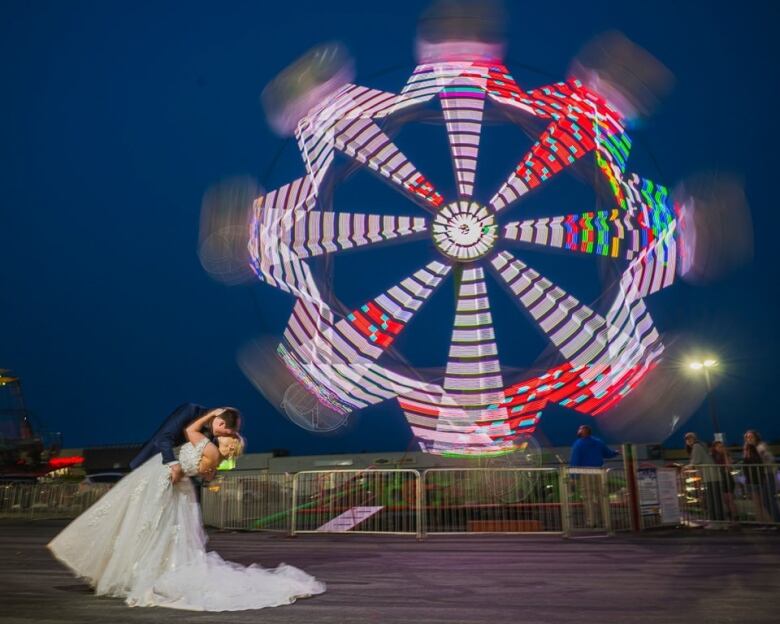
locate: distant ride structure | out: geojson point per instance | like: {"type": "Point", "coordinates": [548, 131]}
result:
{"type": "Point", "coordinates": [26, 450]}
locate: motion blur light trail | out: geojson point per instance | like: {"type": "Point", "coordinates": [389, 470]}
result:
{"type": "Point", "coordinates": [632, 80]}
{"type": "Point", "coordinates": [716, 231]}
{"type": "Point", "coordinates": [663, 403]}
{"type": "Point", "coordinates": [319, 73]}
{"type": "Point", "coordinates": [260, 363]}
{"type": "Point", "coordinates": [225, 215]}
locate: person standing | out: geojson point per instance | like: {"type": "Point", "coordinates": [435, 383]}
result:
{"type": "Point", "coordinates": [770, 474]}
{"type": "Point", "coordinates": [760, 475]}
{"type": "Point", "coordinates": [589, 451]}
{"type": "Point", "coordinates": [720, 456]}
{"type": "Point", "coordinates": [701, 461]}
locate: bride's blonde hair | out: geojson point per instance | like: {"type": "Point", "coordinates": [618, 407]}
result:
{"type": "Point", "coordinates": [231, 447]}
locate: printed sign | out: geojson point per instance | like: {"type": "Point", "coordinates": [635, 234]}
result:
{"type": "Point", "coordinates": [667, 494]}
{"type": "Point", "coordinates": [647, 484]}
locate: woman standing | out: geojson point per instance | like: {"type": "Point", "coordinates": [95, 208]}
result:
{"type": "Point", "coordinates": [768, 486]}
{"type": "Point", "coordinates": [753, 469]}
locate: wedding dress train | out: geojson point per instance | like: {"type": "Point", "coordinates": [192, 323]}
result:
{"type": "Point", "coordinates": [143, 541]}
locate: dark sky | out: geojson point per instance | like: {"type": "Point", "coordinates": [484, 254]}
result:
{"type": "Point", "coordinates": [117, 116]}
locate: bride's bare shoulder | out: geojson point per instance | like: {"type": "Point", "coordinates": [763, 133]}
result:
{"type": "Point", "coordinates": [210, 458]}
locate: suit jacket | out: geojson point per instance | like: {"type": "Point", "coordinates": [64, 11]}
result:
{"type": "Point", "coordinates": [170, 434]}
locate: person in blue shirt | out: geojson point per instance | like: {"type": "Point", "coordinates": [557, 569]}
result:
{"type": "Point", "coordinates": [588, 451]}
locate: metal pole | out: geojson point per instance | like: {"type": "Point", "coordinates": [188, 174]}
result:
{"type": "Point", "coordinates": [629, 468]}
{"type": "Point", "coordinates": [563, 496]}
{"type": "Point", "coordinates": [717, 435]}
{"type": "Point", "coordinates": [419, 484]}
{"type": "Point", "coordinates": [605, 505]}
{"type": "Point", "coordinates": [293, 504]}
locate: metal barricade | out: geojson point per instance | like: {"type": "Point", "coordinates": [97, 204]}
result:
{"type": "Point", "coordinates": [491, 500]}
{"type": "Point", "coordinates": [584, 494]}
{"type": "Point", "coordinates": [478, 500]}
{"type": "Point", "coordinates": [718, 495]}
{"type": "Point", "coordinates": [256, 501]}
{"type": "Point", "coordinates": [48, 500]}
{"type": "Point", "coordinates": [618, 500]}
{"type": "Point", "coordinates": [356, 501]}
{"type": "Point", "coordinates": [15, 498]}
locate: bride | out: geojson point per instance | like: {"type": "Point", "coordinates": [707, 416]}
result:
{"type": "Point", "coordinates": [143, 541]}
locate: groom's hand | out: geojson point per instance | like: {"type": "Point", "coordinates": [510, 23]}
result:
{"type": "Point", "coordinates": [176, 473]}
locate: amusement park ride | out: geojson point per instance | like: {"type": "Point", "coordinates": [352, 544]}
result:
{"type": "Point", "coordinates": [25, 450]}
{"type": "Point", "coordinates": [343, 359]}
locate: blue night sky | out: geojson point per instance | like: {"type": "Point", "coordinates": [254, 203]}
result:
{"type": "Point", "coordinates": [117, 116]}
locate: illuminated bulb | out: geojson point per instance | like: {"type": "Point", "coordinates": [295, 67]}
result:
{"type": "Point", "coordinates": [696, 365]}
{"type": "Point", "coordinates": [710, 363]}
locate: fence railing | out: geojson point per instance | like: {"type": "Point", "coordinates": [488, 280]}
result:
{"type": "Point", "coordinates": [356, 501]}
{"type": "Point", "coordinates": [718, 495]}
{"type": "Point", "coordinates": [619, 500]}
{"type": "Point", "coordinates": [48, 500]}
{"type": "Point", "coordinates": [248, 501]}
{"type": "Point", "coordinates": [491, 500]}
{"type": "Point", "coordinates": [584, 492]}
{"type": "Point", "coordinates": [444, 501]}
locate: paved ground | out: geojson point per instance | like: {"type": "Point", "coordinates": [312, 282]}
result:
{"type": "Point", "coordinates": [666, 577]}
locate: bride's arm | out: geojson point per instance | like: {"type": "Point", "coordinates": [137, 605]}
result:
{"type": "Point", "coordinates": [192, 431]}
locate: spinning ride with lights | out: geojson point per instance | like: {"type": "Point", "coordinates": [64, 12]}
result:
{"type": "Point", "coordinates": [474, 411]}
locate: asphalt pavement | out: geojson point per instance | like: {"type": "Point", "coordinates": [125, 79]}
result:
{"type": "Point", "coordinates": [685, 576]}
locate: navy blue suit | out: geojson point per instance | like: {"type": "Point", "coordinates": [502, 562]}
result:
{"type": "Point", "coordinates": [170, 434]}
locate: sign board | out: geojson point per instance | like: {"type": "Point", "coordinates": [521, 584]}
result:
{"type": "Point", "coordinates": [647, 484]}
{"type": "Point", "coordinates": [667, 495]}
{"type": "Point", "coordinates": [658, 494]}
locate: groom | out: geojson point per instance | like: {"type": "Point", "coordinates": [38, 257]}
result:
{"type": "Point", "coordinates": [226, 422]}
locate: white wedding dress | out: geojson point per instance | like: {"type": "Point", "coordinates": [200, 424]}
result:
{"type": "Point", "coordinates": [143, 541]}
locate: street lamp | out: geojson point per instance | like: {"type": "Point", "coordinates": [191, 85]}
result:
{"type": "Point", "coordinates": [705, 366]}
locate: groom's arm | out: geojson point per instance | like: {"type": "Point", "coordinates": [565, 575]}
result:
{"type": "Point", "coordinates": [165, 443]}
{"type": "Point", "coordinates": [174, 426]}
{"type": "Point", "coordinates": [167, 438]}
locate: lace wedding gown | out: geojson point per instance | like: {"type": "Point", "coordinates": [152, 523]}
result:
{"type": "Point", "coordinates": [143, 541]}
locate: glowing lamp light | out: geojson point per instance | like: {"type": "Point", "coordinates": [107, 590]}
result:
{"type": "Point", "coordinates": [704, 364]}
